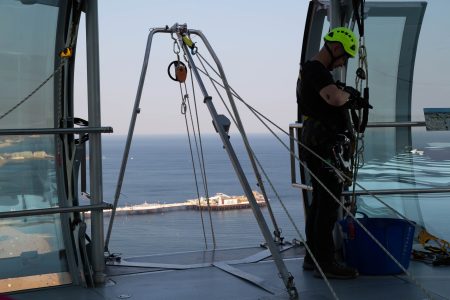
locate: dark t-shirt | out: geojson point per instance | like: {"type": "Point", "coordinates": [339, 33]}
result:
{"type": "Point", "coordinates": [324, 120]}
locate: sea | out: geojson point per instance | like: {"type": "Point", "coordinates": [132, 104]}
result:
{"type": "Point", "coordinates": [160, 170]}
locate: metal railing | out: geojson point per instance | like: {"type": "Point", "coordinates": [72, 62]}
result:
{"type": "Point", "coordinates": [54, 210]}
{"type": "Point", "coordinates": [303, 186]}
{"type": "Point", "coordinates": [32, 131]}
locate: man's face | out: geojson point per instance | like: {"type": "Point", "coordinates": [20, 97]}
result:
{"type": "Point", "coordinates": [342, 56]}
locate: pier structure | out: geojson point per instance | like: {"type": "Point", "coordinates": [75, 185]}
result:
{"type": "Point", "coordinates": [219, 201]}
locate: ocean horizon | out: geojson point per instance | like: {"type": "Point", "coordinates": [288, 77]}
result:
{"type": "Point", "coordinates": [159, 170]}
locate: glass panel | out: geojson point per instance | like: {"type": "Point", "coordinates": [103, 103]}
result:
{"type": "Point", "coordinates": [401, 158]}
{"type": "Point", "coordinates": [383, 64]}
{"type": "Point", "coordinates": [29, 245]}
{"type": "Point", "coordinates": [405, 158]}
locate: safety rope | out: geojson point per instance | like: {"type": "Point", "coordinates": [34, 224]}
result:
{"type": "Point", "coordinates": [412, 278]}
{"type": "Point", "coordinates": [256, 113]}
{"type": "Point", "coordinates": [202, 160]}
{"type": "Point", "coordinates": [362, 75]}
{"type": "Point", "coordinates": [201, 157]}
{"type": "Point", "coordinates": [58, 69]}
{"type": "Point", "coordinates": [183, 112]}
{"type": "Point", "coordinates": [198, 144]}
{"type": "Point", "coordinates": [277, 230]}
{"type": "Point", "coordinates": [65, 55]}
{"type": "Point", "coordinates": [302, 239]}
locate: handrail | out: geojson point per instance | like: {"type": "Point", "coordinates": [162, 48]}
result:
{"type": "Point", "coordinates": [397, 191]}
{"type": "Point", "coordinates": [397, 124]}
{"type": "Point", "coordinates": [301, 186]}
{"type": "Point", "coordinates": [53, 210]}
{"type": "Point", "coordinates": [381, 192]}
{"type": "Point", "coordinates": [378, 124]}
{"type": "Point", "coordinates": [31, 131]}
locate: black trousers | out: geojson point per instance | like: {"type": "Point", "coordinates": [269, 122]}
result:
{"type": "Point", "coordinates": [322, 213]}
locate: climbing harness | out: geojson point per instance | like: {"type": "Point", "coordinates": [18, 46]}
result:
{"type": "Point", "coordinates": [341, 152]}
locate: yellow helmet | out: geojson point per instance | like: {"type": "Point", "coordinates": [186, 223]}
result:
{"type": "Point", "coordinates": [344, 36]}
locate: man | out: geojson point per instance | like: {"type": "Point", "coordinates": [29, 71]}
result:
{"type": "Point", "coordinates": [323, 106]}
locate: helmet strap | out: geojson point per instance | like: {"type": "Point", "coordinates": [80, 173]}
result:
{"type": "Point", "coordinates": [333, 58]}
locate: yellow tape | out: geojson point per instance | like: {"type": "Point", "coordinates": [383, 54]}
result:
{"type": "Point", "coordinates": [188, 41]}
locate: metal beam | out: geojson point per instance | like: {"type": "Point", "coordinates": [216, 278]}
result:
{"type": "Point", "coordinates": [136, 111]}
{"type": "Point", "coordinates": [284, 273]}
{"type": "Point", "coordinates": [95, 145]}
{"type": "Point", "coordinates": [38, 131]}
{"type": "Point", "coordinates": [53, 210]}
{"type": "Point", "coordinates": [378, 124]}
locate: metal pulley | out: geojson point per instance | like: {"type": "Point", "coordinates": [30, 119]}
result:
{"type": "Point", "coordinates": [180, 71]}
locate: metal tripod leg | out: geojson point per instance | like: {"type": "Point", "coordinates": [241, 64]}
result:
{"type": "Point", "coordinates": [277, 232]}
{"type": "Point", "coordinates": [284, 273]}
{"type": "Point", "coordinates": [136, 111]}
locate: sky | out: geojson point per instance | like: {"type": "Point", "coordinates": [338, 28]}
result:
{"type": "Point", "coordinates": [259, 46]}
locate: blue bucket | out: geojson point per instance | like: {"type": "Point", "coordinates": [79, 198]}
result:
{"type": "Point", "coordinates": [362, 253]}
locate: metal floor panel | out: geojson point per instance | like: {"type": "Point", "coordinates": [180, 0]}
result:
{"type": "Point", "coordinates": [197, 257]}
{"type": "Point", "coordinates": [211, 282]}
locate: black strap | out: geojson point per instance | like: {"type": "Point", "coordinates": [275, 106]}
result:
{"type": "Point", "coordinates": [359, 16]}
{"type": "Point", "coordinates": [365, 116]}
{"type": "Point", "coordinates": [355, 120]}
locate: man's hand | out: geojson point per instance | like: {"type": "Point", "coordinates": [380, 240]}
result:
{"type": "Point", "coordinates": [354, 93]}
{"type": "Point", "coordinates": [355, 101]}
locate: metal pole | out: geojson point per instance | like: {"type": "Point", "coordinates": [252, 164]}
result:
{"type": "Point", "coordinates": [286, 276]}
{"type": "Point", "coordinates": [53, 210]}
{"type": "Point", "coordinates": [375, 124]}
{"type": "Point", "coordinates": [240, 126]}
{"type": "Point", "coordinates": [95, 146]}
{"type": "Point", "coordinates": [38, 131]}
{"type": "Point", "coordinates": [136, 111]}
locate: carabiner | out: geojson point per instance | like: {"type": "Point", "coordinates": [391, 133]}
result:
{"type": "Point", "coordinates": [176, 48]}
{"type": "Point", "coordinates": [183, 104]}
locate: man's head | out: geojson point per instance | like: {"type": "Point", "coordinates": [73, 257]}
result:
{"type": "Point", "coordinates": [341, 44]}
